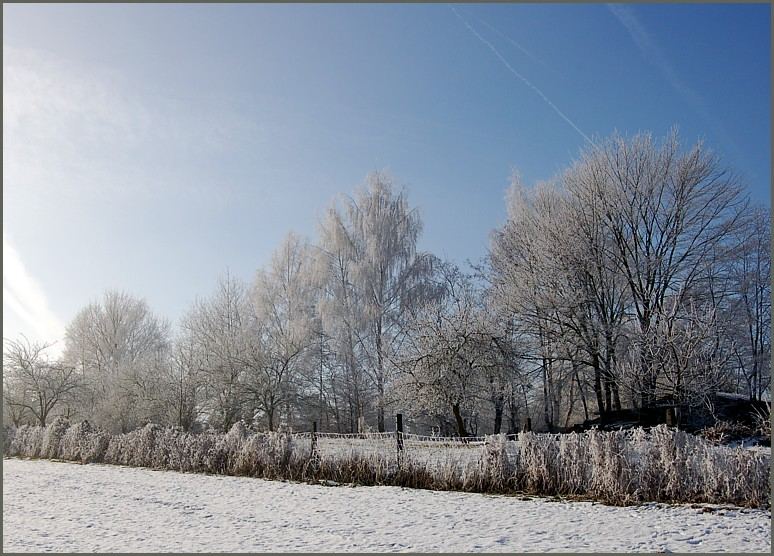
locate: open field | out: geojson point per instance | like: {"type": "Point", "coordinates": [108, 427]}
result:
{"type": "Point", "coordinates": [55, 506]}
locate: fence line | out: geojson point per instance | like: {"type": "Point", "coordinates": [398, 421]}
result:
{"type": "Point", "coordinates": [662, 464]}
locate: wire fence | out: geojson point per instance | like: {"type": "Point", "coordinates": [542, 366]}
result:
{"type": "Point", "coordinates": [661, 464]}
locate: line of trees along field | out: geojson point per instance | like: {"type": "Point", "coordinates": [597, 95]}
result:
{"type": "Point", "coordinates": [642, 271]}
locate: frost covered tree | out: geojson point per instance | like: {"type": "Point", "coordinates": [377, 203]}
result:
{"type": "Point", "coordinates": [119, 347]}
{"type": "Point", "coordinates": [285, 299]}
{"type": "Point", "coordinates": [453, 355]}
{"type": "Point", "coordinates": [217, 343]}
{"type": "Point", "coordinates": [34, 385]}
{"type": "Point", "coordinates": [186, 384]}
{"type": "Point", "coordinates": [343, 321]}
{"type": "Point", "coordinates": [536, 278]}
{"type": "Point", "coordinates": [750, 305]}
{"type": "Point", "coordinates": [376, 272]}
{"type": "Point", "coordinates": [620, 268]}
{"type": "Point", "coordinates": [665, 210]}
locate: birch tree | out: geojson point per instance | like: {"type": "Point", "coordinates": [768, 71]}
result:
{"type": "Point", "coordinates": [372, 244]}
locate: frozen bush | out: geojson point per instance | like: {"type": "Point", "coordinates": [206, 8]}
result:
{"type": "Point", "coordinates": [573, 463]}
{"type": "Point", "coordinates": [618, 467]}
{"type": "Point", "coordinates": [9, 431]}
{"type": "Point", "coordinates": [73, 441]}
{"type": "Point", "coordinates": [539, 453]}
{"type": "Point", "coordinates": [495, 467]}
{"type": "Point", "coordinates": [85, 443]}
{"type": "Point", "coordinates": [27, 442]}
{"type": "Point", "coordinates": [53, 436]}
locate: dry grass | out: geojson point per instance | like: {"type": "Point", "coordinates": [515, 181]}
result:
{"type": "Point", "coordinates": [620, 467]}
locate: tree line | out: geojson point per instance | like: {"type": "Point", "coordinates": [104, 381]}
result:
{"type": "Point", "coordinates": [640, 273]}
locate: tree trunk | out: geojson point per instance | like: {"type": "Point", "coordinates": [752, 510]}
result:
{"type": "Point", "coordinates": [270, 415]}
{"type": "Point", "coordinates": [513, 422]}
{"type": "Point", "coordinates": [546, 399]}
{"type": "Point", "coordinates": [459, 420]}
{"type": "Point", "coordinates": [379, 380]}
{"type": "Point", "coordinates": [498, 407]}
{"type": "Point", "coordinates": [598, 384]}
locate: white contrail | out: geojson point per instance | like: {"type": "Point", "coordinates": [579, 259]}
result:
{"type": "Point", "coordinates": [522, 78]}
{"type": "Point", "coordinates": [513, 42]}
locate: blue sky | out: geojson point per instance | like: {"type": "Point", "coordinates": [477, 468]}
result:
{"type": "Point", "coordinates": [150, 147]}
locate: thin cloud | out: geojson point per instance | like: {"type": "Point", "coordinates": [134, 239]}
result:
{"type": "Point", "coordinates": [522, 78]}
{"type": "Point", "coordinates": [93, 128]}
{"type": "Point", "coordinates": [26, 300]}
{"type": "Point", "coordinates": [655, 55]}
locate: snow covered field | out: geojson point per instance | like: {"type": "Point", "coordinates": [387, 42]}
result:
{"type": "Point", "coordinates": [53, 506]}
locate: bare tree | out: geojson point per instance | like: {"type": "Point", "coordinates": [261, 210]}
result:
{"type": "Point", "coordinates": [664, 210]}
{"type": "Point", "coordinates": [33, 383]}
{"type": "Point", "coordinates": [750, 310]}
{"type": "Point", "coordinates": [454, 355]}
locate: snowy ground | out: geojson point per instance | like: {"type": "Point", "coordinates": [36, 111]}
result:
{"type": "Point", "coordinates": [53, 506]}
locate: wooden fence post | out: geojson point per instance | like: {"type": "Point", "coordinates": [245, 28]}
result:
{"type": "Point", "coordinates": [671, 418]}
{"type": "Point", "coordinates": [399, 431]}
{"type": "Point", "coordinates": [528, 425]}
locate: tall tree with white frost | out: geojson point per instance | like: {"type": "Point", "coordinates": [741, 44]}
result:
{"type": "Point", "coordinates": [342, 319]}
{"type": "Point", "coordinates": [380, 231]}
{"type": "Point", "coordinates": [665, 211]}
{"type": "Point", "coordinates": [119, 348]}
{"type": "Point", "coordinates": [285, 296]}
{"type": "Point", "coordinates": [217, 335]}
{"type": "Point", "coordinates": [751, 305]}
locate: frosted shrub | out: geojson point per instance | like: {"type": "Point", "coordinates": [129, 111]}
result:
{"type": "Point", "coordinates": [495, 467]}
{"type": "Point", "coordinates": [18, 441]}
{"type": "Point", "coordinates": [200, 450]}
{"type": "Point", "coordinates": [117, 451]}
{"type": "Point", "coordinates": [280, 453]}
{"type": "Point", "coordinates": [671, 461]}
{"type": "Point", "coordinates": [85, 443]}
{"type": "Point", "coordinates": [251, 458]}
{"type": "Point", "coordinates": [28, 442]}
{"type": "Point", "coordinates": [539, 454]}
{"type": "Point", "coordinates": [53, 436]}
{"type": "Point", "coordinates": [166, 449]}
{"type": "Point", "coordinates": [143, 445]}
{"type": "Point", "coordinates": [616, 467]}
{"type": "Point", "coordinates": [72, 443]}
{"type": "Point", "coordinates": [9, 432]}
{"type": "Point", "coordinates": [573, 463]}
{"type": "Point", "coordinates": [608, 478]}
{"type": "Point", "coordinates": [227, 448]}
